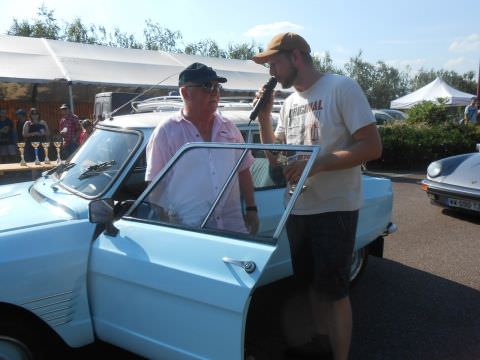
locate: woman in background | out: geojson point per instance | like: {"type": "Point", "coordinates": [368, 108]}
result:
{"type": "Point", "coordinates": [34, 130]}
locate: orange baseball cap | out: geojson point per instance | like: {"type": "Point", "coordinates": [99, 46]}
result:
{"type": "Point", "coordinates": [282, 42]}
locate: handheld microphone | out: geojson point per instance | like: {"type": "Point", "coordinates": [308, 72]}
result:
{"type": "Point", "coordinates": [268, 88]}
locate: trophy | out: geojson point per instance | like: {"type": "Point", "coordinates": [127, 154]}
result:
{"type": "Point", "coordinates": [21, 148]}
{"type": "Point", "coordinates": [35, 145]}
{"type": "Point", "coordinates": [57, 145]}
{"type": "Point", "coordinates": [45, 146]}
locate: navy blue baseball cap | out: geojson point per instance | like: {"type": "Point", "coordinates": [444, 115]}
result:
{"type": "Point", "coordinates": [198, 73]}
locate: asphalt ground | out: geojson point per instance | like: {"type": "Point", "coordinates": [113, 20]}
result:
{"type": "Point", "coordinates": [421, 301]}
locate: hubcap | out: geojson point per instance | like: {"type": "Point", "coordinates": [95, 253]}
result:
{"type": "Point", "coordinates": [12, 349]}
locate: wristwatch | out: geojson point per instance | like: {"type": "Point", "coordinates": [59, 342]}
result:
{"type": "Point", "coordinates": [251, 208]}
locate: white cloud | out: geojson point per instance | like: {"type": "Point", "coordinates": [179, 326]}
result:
{"type": "Point", "coordinates": [272, 29]}
{"type": "Point", "coordinates": [320, 55]}
{"type": "Point", "coordinates": [339, 49]}
{"type": "Point", "coordinates": [413, 63]}
{"type": "Point", "coordinates": [466, 44]}
{"type": "Point", "coordinates": [453, 63]}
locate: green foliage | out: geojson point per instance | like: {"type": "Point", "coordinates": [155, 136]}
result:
{"type": "Point", "coordinates": [427, 112]}
{"type": "Point", "coordinates": [76, 31]}
{"type": "Point", "coordinates": [44, 26]}
{"type": "Point", "coordinates": [242, 51]}
{"type": "Point", "coordinates": [324, 64]}
{"type": "Point", "coordinates": [414, 146]}
{"type": "Point", "coordinates": [465, 82]}
{"type": "Point", "coordinates": [124, 40]}
{"type": "Point", "coordinates": [205, 47]}
{"type": "Point", "coordinates": [380, 82]}
{"type": "Point", "coordinates": [160, 38]}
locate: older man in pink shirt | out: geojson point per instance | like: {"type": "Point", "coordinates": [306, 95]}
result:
{"type": "Point", "coordinates": [206, 170]}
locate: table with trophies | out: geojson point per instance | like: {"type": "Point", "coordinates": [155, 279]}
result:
{"type": "Point", "coordinates": [36, 165]}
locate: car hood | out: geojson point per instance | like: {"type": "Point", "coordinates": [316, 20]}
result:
{"type": "Point", "coordinates": [466, 173]}
{"type": "Point", "coordinates": [22, 207]}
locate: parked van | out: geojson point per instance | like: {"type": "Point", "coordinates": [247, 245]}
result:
{"type": "Point", "coordinates": [107, 102]}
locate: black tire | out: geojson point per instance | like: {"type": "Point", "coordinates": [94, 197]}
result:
{"type": "Point", "coordinates": [359, 262]}
{"type": "Point", "coordinates": [376, 247]}
{"type": "Point", "coordinates": [18, 343]}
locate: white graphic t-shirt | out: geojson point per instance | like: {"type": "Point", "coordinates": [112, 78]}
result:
{"type": "Point", "coordinates": [327, 114]}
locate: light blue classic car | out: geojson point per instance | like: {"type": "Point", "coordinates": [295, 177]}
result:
{"type": "Point", "coordinates": [90, 251]}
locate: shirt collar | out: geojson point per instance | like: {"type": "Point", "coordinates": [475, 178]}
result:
{"type": "Point", "coordinates": [217, 118]}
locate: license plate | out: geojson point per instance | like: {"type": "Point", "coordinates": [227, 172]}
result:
{"type": "Point", "coordinates": [464, 204]}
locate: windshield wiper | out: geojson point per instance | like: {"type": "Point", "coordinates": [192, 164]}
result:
{"type": "Point", "coordinates": [96, 169]}
{"type": "Point", "coordinates": [59, 169]}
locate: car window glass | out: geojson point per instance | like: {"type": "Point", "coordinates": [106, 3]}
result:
{"type": "Point", "coordinates": [201, 191]}
{"type": "Point", "coordinates": [186, 193]}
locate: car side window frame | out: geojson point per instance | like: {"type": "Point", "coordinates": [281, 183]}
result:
{"type": "Point", "coordinates": [246, 147]}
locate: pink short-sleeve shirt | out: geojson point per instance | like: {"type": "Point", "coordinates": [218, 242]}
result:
{"type": "Point", "coordinates": [191, 194]}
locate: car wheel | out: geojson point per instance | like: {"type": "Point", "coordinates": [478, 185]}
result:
{"type": "Point", "coordinates": [14, 349]}
{"type": "Point", "coordinates": [376, 247]}
{"type": "Point", "coordinates": [16, 342]}
{"type": "Point", "coordinates": [359, 262]}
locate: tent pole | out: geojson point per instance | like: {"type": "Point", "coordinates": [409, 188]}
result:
{"type": "Point", "coordinates": [70, 95]}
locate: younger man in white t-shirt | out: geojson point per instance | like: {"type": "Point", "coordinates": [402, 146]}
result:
{"type": "Point", "coordinates": [330, 111]}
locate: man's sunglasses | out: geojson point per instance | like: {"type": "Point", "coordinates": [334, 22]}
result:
{"type": "Point", "coordinates": [208, 87]}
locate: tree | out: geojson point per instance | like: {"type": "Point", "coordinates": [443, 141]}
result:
{"type": "Point", "coordinates": [124, 40]}
{"type": "Point", "coordinates": [160, 38]}
{"type": "Point", "coordinates": [205, 47]}
{"type": "Point", "coordinates": [76, 31]}
{"type": "Point", "coordinates": [364, 73]}
{"type": "Point", "coordinates": [325, 64]}
{"type": "Point", "coordinates": [243, 51]}
{"type": "Point", "coordinates": [44, 26]}
{"type": "Point", "coordinates": [389, 84]}
{"type": "Point", "coordinates": [380, 82]}
{"type": "Point", "coordinates": [428, 112]}
{"type": "Point", "coordinates": [465, 82]}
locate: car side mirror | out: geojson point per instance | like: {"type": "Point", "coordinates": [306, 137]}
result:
{"type": "Point", "coordinates": [101, 212]}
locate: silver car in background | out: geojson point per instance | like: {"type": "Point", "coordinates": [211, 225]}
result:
{"type": "Point", "coordinates": [454, 182]}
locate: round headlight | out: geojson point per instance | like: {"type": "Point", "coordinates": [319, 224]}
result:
{"type": "Point", "coordinates": [434, 169]}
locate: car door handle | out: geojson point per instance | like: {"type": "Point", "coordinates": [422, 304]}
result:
{"type": "Point", "coordinates": [248, 266]}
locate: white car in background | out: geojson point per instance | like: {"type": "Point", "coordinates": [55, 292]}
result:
{"type": "Point", "coordinates": [381, 117]}
{"type": "Point", "coordinates": [396, 114]}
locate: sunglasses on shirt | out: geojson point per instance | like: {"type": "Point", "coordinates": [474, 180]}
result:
{"type": "Point", "coordinates": [208, 87]}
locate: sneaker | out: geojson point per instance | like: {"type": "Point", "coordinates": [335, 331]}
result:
{"type": "Point", "coordinates": [317, 348]}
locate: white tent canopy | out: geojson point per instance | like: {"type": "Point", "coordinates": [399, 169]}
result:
{"type": "Point", "coordinates": [33, 60]}
{"type": "Point", "coordinates": [431, 92]}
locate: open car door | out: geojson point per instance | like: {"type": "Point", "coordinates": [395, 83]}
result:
{"type": "Point", "coordinates": [176, 280]}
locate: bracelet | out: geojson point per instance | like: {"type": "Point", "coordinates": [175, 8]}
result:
{"type": "Point", "coordinates": [251, 208]}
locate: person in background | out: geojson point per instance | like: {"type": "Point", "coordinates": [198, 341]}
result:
{"type": "Point", "coordinates": [330, 111]}
{"type": "Point", "coordinates": [21, 117]}
{"type": "Point", "coordinates": [471, 112]}
{"type": "Point", "coordinates": [8, 151]}
{"type": "Point", "coordinates": [70, 130]}
{"type": "Point", "coordinates": [87, 129]}
{"type": "Point", "coordinates": [34, 130]}
{"type": "Point", "coordinates": [198, 120]}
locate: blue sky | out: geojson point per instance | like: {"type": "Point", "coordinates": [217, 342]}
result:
{"type": "Point", "coordinates": [434, 34]}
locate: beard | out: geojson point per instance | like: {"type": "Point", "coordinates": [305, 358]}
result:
{"type": "Point", "coordinates": [290, 77]}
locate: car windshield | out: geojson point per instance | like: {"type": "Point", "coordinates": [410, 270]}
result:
{"type": "Point", "coordinates": [98, 161]}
